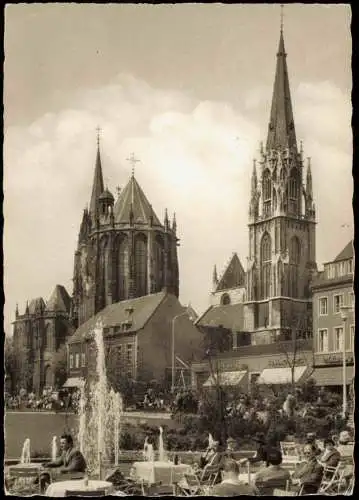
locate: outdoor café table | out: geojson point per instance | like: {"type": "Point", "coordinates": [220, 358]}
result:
{"type": "Point", "coordinates": [246, 478]}
{"type": "Point", "coordinates": [59, 488]}
{"type": "Point", "coordinates": [165, 472]}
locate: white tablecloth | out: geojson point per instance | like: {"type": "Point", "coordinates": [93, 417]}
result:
{"type": "Point", "coordinates": [59, 488]}
{"type": "Point", "coordinates": [166, 472]}
{"type": "Point", "coordinates": [243, 477]}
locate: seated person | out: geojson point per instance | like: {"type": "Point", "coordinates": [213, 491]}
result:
{"type": "Point", "coordinates": [70, 461]}
{"type": "Point", "coordinates": [230, 485]}
{"type": "Point", "coordinates": [331, 455]}
{"type": "Point", "coordinates": [308, 475]}
{"type": "Point", "coordinates": [231, 448]}
{"type": "Point", "coordinates": [311, 439]}
{"type": "Point", "coordinates": [261, 452]}
{"type": "Point", "coordinates": [273, 476]}
{"type": "Point", "coordinates": [345, 446]}
{"type": "Point", "coordinates": [211, 455]}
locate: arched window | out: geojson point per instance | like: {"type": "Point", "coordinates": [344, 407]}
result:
{"type": "Point", "coordinates": [266, 258]}
{"type": "Point", "coordinates": [103, 270]}
{"type": "Point", "coordinates": [294, 261]}
{"type": "Point", "coordinates": [293, 191]}
{"type": "Point", "coordinates": [122, 269]}
{"type": "Point", "coordinates": [159, 263]}
{"type": "Point", "coordinates": [225, 299]}
{"type": "Point", "coordinates": [141, 265]}
{"type": "Point", "coordinates": [267, 192]}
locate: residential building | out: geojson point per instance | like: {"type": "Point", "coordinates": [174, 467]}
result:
{"type": "Point", "coordinates": [333, 289]}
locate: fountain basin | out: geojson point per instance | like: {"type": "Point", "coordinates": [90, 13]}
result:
{"type": "Point", "coordinates": [165, 472]}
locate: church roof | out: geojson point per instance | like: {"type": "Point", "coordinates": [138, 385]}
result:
{"type": "Point", "coordinates": [233, 275]}
{"type": "Point", "coordinates": [59, 300]}
{"type": "Point", "coordinates": [97, 186]}
{"type": "Point", "coordinates": [346, 253]}
{"type": "Point", "coordinates": [37, 305]}
{"type": "Point", "coordinates": [229, 316]}
{"type": "Point", "coordinates": [142, 308]}
{"type": "Point", "coordinates": [281, 131]}
{"type": "Point", "coordinates": [133, 198]}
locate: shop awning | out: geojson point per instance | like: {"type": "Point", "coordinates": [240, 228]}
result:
{"type": "Point", "coordinates": [74, 382]}
{"type": "Point", "coordinates": [332, 375]}
{"type": "Point", "coordinates": [225, 378]}
{"type": "Point", "coordinates": [277, 376]}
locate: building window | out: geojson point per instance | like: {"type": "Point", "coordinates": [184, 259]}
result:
{"type": "Point", "coordinates": [225, 299]}
{"type": "Point", "coordinates": [141, 265]}
{"type": "Point", "coordinates": [266, 257]}
{"type": "Point", "coordinates": [323, 340]}
{"type": "Point", "coordinates": [267, 192]}
{"type": "Point", "coordinates": [83, 359]}
{"type": "Point", "coordinates": [71, 360]}
{"type": "Point", "coordinates": [294, 261]}
{"type": "Point", "coordinates": [323, 306]}
{"type": "Point", "coordinates": [351, 299]}
{"type": "Point", "coordinates": [338, 339]}
{"type": "Point", "coordinates": [341, 269]}
{"type": "Point", "coordinates": [338, 303]}
{"type": "Point", "coordinates": [77, 360]}
{"type": "Point", "coordinates": [352, 340]}
{"type": "Point", "coordinates": [129, 353]}
{"type": "Point", "coordinates": [350, 266]}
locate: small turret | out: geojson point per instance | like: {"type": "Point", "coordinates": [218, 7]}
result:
{"type": "Point", "coordinates": [106, 201]}
{"type": "Point", "coordinates": [17, 311]}
{"type": "Point", "coordinates": [174, 223]}
{"type": "Point", "coordinates": [166, 220]}
{"type": "Point", "coordinates": [215, 277]}
{"type": "Point", "coordinates": [27, 311]}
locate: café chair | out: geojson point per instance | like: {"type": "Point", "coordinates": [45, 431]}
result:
{"type": "Point", "coordinates": [85, 493]}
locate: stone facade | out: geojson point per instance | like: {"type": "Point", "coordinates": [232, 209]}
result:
{"type": "Point", "coordinates": [38, 334]}
{"type": "Point", "coordinates": [123, 250]}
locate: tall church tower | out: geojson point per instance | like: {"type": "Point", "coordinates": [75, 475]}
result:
{"type": "Point", "coordinates": [123, 249]}
{"type": "Point", "coordinates": [281, 225]}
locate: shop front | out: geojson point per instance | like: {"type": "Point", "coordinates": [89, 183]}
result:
{"type": "Point", "coordinates": [329, 371]}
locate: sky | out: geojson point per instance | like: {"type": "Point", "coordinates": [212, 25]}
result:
{"type": "Point", "coordinates": [187, 88]}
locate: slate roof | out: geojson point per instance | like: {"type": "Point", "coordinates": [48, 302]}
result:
{"type": "Point", "coordinates": [132, 197]}
{"type": "Point", "coordinates": [59, 300]}
{"type": "Point", "coordinates": [37, 305]}
{"type": "Point", "coordinates": [115, 314]}
{"type": "Point", "coordinates": [346, 253]}
{"type": "Point", "coordinates": [233, 275]}
{"type": "Point", "coordinates": [229, 316]}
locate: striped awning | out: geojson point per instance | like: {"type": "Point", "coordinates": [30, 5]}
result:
{"type": "Point", "coordinates": [278, 376]}
{"type": "Point", "coordinates": [74, 382]}
{"type": "Point", "coordinates": [329, 376]}
{"type": "Point", "coordinates": [225, 378]}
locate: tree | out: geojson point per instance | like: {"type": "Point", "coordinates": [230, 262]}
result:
{"type": "Point", "coordinates": [10, 363]}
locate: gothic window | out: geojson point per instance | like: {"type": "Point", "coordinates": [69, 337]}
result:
{"type": "Point", "coordinates": [141, 265]}
{"type": "Point", "coordinates": [159, 263]}
{"type": "Point", "coordinates": [225, 299]}
{"type": "Point", "coordinates": [267, 192]}
{"type": "Point", "coordinates": [294, 261]}
{"type": "Point", "coordinates": [123, 269]}
{"type": "Point", "coordinates": [103, 269]}
{"type": "Point", "coordinates": [266, 256]}
{"type": "Point", "coordinates": [293, 191]}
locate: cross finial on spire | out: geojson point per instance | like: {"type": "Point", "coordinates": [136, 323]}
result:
{"type": "Point", "coordinates": [133, 160]}
{"type": "Point", "coordinates": [281, 16]}
{"type": "Point", "coordinates": [98, 130]}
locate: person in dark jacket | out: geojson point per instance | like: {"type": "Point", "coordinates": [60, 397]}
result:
{"type": "Point", "coordinates": [230, 485]}
{"type": "Point", "coordinates": [331, 455]}
{"type": "Point", "coordinates": [308, 475]}
{"type": "Point", "coordinates": [70, 462]}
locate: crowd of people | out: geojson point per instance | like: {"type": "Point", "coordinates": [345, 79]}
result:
{"type": "Point", "coordinates": [49, 400]}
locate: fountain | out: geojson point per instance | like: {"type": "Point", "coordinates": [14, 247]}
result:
{"type": "Point", "coordinates": [161, 449]}
{"type": "Point", "coordinates": [100, 412]}
{"type": "Point", "coordinates": [25, 453]}
{"type": "Point", "coordinates": [54, 448]}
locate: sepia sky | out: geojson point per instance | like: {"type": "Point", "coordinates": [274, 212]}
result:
{"type": "Point", "coordinates": [187, 88]}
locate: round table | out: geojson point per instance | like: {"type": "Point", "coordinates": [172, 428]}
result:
{"type": "Point", "coordinates": [59, 488]}
{"type": "Point", "coordinates": [244, 477]}
{"type": "Point", "coordinates": [165, 472]}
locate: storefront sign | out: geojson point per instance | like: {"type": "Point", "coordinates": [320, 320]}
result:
{"type": "Point", "coordinates": [231, 364]}
{"type": "Point", "coordinates": [335, 358]}
{"type": "Point", "coordinates": [284, 363]}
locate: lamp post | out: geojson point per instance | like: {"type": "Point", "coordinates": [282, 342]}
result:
{"type": "Point", "coordinates": [173, 348]}
{"type": "Point", "coordinates": [344, 311]}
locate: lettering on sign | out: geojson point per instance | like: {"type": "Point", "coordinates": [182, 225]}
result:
{"type": "Point", "coordinates": [232, 364]}
{"type": "Point", "coordinates": [284, 363]}
{"type": "Point", "coordinates": [336, 359]}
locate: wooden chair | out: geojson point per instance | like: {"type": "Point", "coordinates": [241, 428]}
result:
{"type": "Point", "coordinates": [85, 493]}
{"type": "Point", "coordinates": [29, 477]}
{"type": "Point", "coordinates": [332, 479]}
{"type": "Point", "coordinates": [290, 452]}
{"type": "Point", "coordinates": [209, 475]}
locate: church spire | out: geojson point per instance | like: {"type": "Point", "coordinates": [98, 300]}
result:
{"type": "Point", "coordinates": [254, 180]}
{"type": "Point", "coordinates": [281, 131]}
{"type": "Point", "coordinates": [215, 277]}
{"type": "Point", "coordinates": [98, 186]}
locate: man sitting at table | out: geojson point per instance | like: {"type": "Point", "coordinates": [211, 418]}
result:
{"type": "Point", "coordinates": [273, 476]}
{"type": "Point", "coordinates": [231, 486]}
{"type": "Point", "coordinates": [308, 475]}
{"type": "Point", "coordinates": [70, 461]}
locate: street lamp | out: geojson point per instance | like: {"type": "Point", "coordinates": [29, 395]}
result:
{"type": "Point", "coordinates": [173, 348]}
{"type": "Point", "coordinates": [344, 311]}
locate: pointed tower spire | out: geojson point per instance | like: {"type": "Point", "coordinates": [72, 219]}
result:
{"type": "Point", "coordinates": [174, 223]}
{"type": "Point", "coordinates": [215, 277]}
{"type": "Point", "coordinates": [97, 187]}
{"type": "Point", "coordinates": [281, 131]}
{"type": "Point", "coordinates": [17, 311]}
{"type": "Point", "coordinates": [309, 182]}
{"type": "Point", "coordinates": [27, 308]}
{"type": "Point", "coordinates": [166, 221]}
{"type": "Point", "coordinates": [254, 179]}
